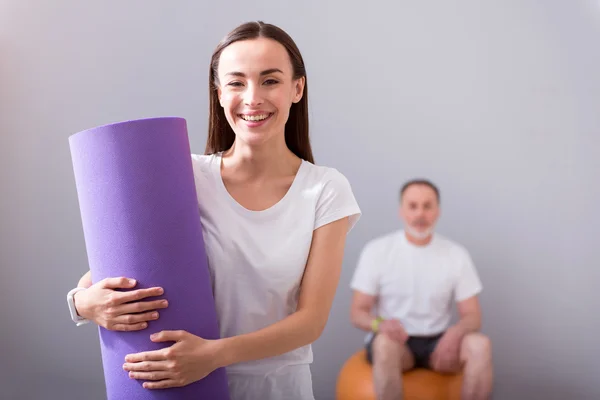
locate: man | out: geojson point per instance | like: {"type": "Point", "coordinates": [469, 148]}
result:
{"type": "Point", "coordinates": [412, 278]}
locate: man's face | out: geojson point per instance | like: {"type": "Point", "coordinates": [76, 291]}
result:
{"type": "Point", "coordinates": [419, 209]}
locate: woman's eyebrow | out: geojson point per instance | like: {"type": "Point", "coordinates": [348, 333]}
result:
{"type": "Point", "coordinates": [265, 72]}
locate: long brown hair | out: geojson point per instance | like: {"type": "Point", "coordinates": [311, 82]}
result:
{"type": "Point", "coordinates": [220, 133]}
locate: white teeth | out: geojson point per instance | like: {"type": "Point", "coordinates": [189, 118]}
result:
{"type": "Point", "coordinates": [254, 117]}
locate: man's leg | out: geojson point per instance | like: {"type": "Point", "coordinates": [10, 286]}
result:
{"type": "Point", "coordinates": [390, 359]}
{"type": "Point", "coordinates": [476, 355]}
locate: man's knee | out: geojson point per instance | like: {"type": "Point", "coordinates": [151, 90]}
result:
{"type": "Point", "coordinates": [476, 346]}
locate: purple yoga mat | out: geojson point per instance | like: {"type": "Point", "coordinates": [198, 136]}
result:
{"type": "Point", "coordinates": [141, 220]}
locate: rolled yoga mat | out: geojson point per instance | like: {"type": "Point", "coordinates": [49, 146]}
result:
{"type": "Point", "coordinates": [141, 220]}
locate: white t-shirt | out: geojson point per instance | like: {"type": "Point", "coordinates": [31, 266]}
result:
{"type": "Point", "coordinates": [416, 285]}
{"type": "Point", "coordinates": [257, 259]}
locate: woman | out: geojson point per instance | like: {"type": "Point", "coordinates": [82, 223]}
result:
{"type": "Point", "coordinates": [274, 226]}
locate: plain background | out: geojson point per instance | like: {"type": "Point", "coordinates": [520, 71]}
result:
{"type": "Point", "coordinates": [497, 102]}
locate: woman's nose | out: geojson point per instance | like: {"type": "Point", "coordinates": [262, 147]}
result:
{"type": "Point", "coordinates": [253, 96]}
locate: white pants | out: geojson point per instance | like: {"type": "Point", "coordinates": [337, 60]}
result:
{"type": "Point", "coordinates": [289, 383]}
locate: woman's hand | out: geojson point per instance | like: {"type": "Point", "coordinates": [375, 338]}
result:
{"type": "Point", "coordinates": [188, 360]}
{"type": "Point", "coordinates": [116, 310]}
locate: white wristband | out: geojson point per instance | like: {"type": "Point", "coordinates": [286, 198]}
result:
{"type": "Point", "coordinates": [71, 302]}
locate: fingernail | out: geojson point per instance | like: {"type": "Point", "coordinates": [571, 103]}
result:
{"type": "Point", "coordinates": [132, 281]}
{"type": "Point", "coordinates": [144, 324]}
{"type": "Point", "coordinates": [165, 302]}
{"type": "Point", "coordinates": [155, 315]}
{"type": "Point", "coordinates": [161, 291]}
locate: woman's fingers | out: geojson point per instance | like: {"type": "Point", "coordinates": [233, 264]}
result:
{"type": "Point", "coordinates": [128, 327]}
{"type": "Point", "coordinates": [117, 283]}
{"type": "Point", "coordinates": [134, 316]}
{"type": "Point", "coordinates": [150, 376]}
{"type": "Point", "coordinates": [132, 295]}
{"type": "Point", "coordinates": [131, 319]}
{"type": "Point", "coordinates": [158, 365]}
{"type": "Point", "coordinates": [131, 322]}
{"type": "Point", "coordinates": [156, 374]}
{"type": "Point", "coordinates": [139, 294]}
{"type": "Point", "coordinates": [163, 384]}
{"type": "Point", "coordinates": [141, 306]}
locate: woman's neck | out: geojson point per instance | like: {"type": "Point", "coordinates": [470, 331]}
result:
{"type": "Point", "coordinates": [260, 161]}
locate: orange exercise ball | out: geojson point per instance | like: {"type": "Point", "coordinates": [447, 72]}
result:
{"type": "Point", "coordinates": [355, 382]}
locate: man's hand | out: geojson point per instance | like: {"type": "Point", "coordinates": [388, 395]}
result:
{"type": "Point", "coordinates": [394, 330]}
{"type": "Point", "coordinates": [446, 356]}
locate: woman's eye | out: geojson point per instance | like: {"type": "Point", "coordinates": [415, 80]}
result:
{"type": "Point", "coordinates": [271, 81]}
{"type": "Point", "coordinates": [234, 84]}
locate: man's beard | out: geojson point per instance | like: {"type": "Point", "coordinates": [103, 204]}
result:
{"type": "Point", "coordinates": [420, 235]}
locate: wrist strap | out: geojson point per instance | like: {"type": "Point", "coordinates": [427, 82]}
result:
{"type": "Point", "coordinates": [375, 324]}
{"type": "Point", "coordinates": [75, 317]}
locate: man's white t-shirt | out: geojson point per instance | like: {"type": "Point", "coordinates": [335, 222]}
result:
{"type": "Point", "coordinates": [257, 259]}
{"type": "Point", "coordinates": [416, 285]}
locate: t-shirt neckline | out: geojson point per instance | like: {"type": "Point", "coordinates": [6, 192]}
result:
{"type": "Point", "coordinates": [216, 170]}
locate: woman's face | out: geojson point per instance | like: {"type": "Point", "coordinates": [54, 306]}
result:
{"type": "Point", "coordinates": [257, 89]}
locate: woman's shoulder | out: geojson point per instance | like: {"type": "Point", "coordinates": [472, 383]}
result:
{"type": "Point", "coordinates": [202, 159]}
{"type": "Point", "coordinates": [203, 162]}
{"type": "Point", "coordinates": [333, 194]}
{"type": "Point", "coordinates": [323, 175]}
{"type": "Point", "coordinates": [203, 168]}
{"type": "Point", "coordinates": [326, 182]}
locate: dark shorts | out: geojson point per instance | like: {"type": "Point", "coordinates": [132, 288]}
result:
{"type": "Point", "coordinates": [421, 348]}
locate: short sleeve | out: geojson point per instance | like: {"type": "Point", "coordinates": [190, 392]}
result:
{"type": "Point", "coordinates": [366, 276]}
{"type": "Point", "coordinates": [468, 283]}
{"type": "Point", "coordinates": [336, 201]}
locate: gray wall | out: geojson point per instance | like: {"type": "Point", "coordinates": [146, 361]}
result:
{"type": "Point", "coordinates": [497, 103]}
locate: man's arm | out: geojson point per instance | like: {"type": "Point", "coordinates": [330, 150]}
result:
{"type": "Point", "coordinates": [361, 310]}
{"type": "Point", "coordinates": [470, 315]}
{"type": "Point", "coordinates": [467, 301]}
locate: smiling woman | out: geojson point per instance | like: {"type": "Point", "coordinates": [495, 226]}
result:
{"type": "Point", "coordinates": [274, 226]}
{"type": "Point", "coordinates": [257, 72]}
{"type": "Point", "coordinates": [256, 86]}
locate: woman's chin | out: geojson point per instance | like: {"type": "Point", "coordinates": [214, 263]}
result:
{"type": "Point", "coordinates": [252, 139]}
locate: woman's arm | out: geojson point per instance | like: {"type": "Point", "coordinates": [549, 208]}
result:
{"type": "Point", "coordinates": [317, 291]}
{"type": "Point", "coordinates": [86, 280]}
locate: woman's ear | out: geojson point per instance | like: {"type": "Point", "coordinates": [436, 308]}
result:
{"type": "Point", "coordinates": [219, 93]}
{"type": "Point", "coordinates": [299, 89]}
